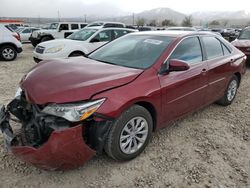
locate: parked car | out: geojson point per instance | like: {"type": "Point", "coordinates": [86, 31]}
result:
{"type": "Point", "coordinates": [25, 33]}
{"type": "Point", "coordinates": [146, 28]}
{"type": "Point", "coordinates": [10, 44]}
{"type": "Point", "coordinates": [116, 97]}
{"type": "Point", "coordinates": [79, 43]}
{"type": "Point", "coordinates": [102, 24]}
{"type": "Point", "coordinates": [56, 30]}
{"type": "Point", "coordinates": [181, 29]}
{"type": "Point", "coordinates": [242, 42]}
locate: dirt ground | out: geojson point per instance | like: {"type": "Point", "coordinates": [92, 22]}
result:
{"type": "Point", "coordinates": [210, 148]}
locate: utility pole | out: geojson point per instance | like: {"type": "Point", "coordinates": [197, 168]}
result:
{"type": "Point", "coordinates": [58, 14]}
{"type": "Point", "coordinates": [85, 18]}
{"type": "Point", "coordinates": [133, 18]}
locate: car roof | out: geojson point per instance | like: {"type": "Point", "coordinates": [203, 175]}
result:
{"type": "Point", "coordinates": [108, 28]}
{"type": "Point", "coordinates": [172, 33]}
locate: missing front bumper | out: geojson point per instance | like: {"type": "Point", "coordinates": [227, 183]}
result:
{"type": "Point", "coordinates": [65, 148]}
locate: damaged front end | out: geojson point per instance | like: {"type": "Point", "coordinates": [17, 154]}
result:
{"type": "Point", "coordinates": [48, 141]}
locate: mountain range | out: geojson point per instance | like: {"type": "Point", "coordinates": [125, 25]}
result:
{"type": "Point", "coordinates": [240, 17]}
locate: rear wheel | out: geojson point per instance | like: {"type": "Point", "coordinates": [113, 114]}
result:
{"type": "Point", "coordinates": [129, 134]}
{"type": "Point", "coordinates": [8, 53]}
{"type": "Point", "coordinates": [230, 92]}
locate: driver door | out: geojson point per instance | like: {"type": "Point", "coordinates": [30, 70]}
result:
{"type": "Point", "coordinates": [185, 91]}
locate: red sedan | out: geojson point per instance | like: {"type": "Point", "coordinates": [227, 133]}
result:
{"type": "Point", "coordinates": [243, 42]}
{"type": "Point", "coordinates": [116, 97]}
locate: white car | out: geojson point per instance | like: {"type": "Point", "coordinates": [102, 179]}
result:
{"type": "Point", "coordinates": [25, 33]}
{"type": "Point", "coordinates": [101, 24]}
{"type": "Point", "coordinates": [9, 43]}
{"type": "Point", "coordinates": [79, 43]}
{"type": "Point", "coordinates": [58, 30]}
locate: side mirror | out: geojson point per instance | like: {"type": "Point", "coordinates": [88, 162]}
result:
{"type": "Point", "coordinates": [95, 40]}
{"type": "Point", "coordinates": [60, 29]}
{"type": "Point", "coordinates": [177, 65]}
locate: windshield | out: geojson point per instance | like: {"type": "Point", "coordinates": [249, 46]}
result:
{"type": "Point", "coordinates": [244, 34]}
{"type": "Point", "coordinates": [96, 24]}
{"type": "Point", "coordinates": [53, 26]}
{"type": "Point", "coordinates": [136, 51]}
{"type": "Point", "coordinates": [82, 35]}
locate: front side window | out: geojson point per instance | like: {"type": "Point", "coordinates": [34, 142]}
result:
{"type": "Point", "coordinates": [213, 47]}
{"type": "Point", "coordinates": [133, 51]}
{"type": "Point", "coordinates": [64, 27]}
{"type": "Point", "coordinates": [188, 50]}
{"type": "Point", "coordinates": [82, 35]}
{"type": "Point", "coordinates": [103, 36]}
{"type": "Point", "coordinates": [53, 26]}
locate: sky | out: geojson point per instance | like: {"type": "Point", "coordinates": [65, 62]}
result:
{"type": "Point", "coordinates": [79, 8]}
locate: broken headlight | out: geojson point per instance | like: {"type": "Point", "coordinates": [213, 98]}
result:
{"type": "Point", "coordinates": [74, 112]}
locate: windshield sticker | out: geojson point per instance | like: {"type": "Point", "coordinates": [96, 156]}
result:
{"type": "Point", "coordinates": [153, 41]}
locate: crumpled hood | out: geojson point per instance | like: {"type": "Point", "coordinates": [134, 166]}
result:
{"type": "Point", "coordinates": [59, 42]}
{"type": "Point", "coordinates": [73, 79]}
{"type": "Point", "coordinates": [241, 43]}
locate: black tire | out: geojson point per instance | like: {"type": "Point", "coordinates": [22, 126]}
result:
{"type": "Point", "coordinates": [34, 44]}
{"type": "Point", "coordinates": [8, 53]}
{"type": "Point", "coordinates": [112, 146]}
{"type": "Point", "coordinates": [46, 38]}
{"type": "Point", "coordinates": [76, 54]}
{"type": "Point", "coordinates": [227, 99]}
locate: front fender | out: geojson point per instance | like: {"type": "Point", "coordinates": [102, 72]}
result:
{"type": "Point", "coordinates": [146, 88]}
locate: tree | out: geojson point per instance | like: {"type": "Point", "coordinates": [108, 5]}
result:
{"type": "Point", "coordinates": [225, 22]}
{"type": "Point", "coordinates": [187, 22]}
{"type": "Point", "coordinates": [167, 22]}
{"type": "Point", "coordinates": [140, 22]}
{"type": "Point", "coordinates": [152, 23]}
{"type": "Point", "coordinates": [214, 22]}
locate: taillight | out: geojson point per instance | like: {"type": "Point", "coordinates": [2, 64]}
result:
{"type": "Point", "coordinates": [17, 36]}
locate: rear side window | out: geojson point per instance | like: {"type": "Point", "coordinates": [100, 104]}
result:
{"type": "Point", "coordinates": [27, 31]}
{"type": "Point", "coordinates": [74, 26]}
{"type": "Point", "coordinates": [225, 49]}
{"type": "Point", "coordinates": [119, 33]}
{"type": "Point", "coordinates": [188, 50]}
{"type": "Point", "coordinates": [83, 25]}
{"type": "Point", "coordinates": [112, 25]}
{"type": "Point", "coordinates": [213, 47]}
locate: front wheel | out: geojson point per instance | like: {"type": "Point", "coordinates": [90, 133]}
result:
{"type": "Point", "coordinates": [230, 92]}
{"type": "Point", "coordinates": [129, 134]}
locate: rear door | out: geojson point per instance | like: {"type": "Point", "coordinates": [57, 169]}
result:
{"type": "Point", "coordinates": [218, 59]}
{"type": "Point", "coordinates": [25, 34]}
{"type": "Point", "coordinates": [185, 91]}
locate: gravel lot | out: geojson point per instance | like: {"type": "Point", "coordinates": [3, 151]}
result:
{"type": "Point", "coordinates": [209, 148]}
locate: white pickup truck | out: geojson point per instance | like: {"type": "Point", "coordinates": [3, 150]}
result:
{"type": "Point", "coordinates": [58, 30]}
